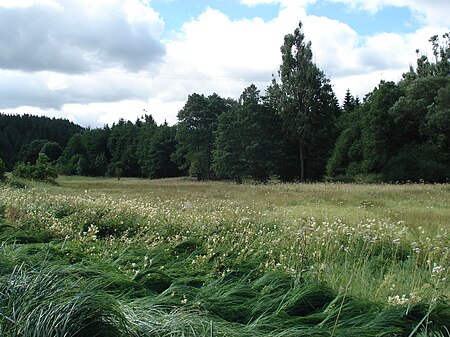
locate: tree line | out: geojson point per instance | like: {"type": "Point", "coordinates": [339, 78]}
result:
{"type": "Point", "coordinates": [22, 137]}
{"type": "Point", "coordinates": [296, 130]}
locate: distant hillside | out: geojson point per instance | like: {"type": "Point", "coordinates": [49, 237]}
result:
{"type": "Point", "coordinates": [19, 130]}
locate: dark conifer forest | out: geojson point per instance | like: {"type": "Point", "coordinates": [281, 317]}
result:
{"type": "Point", "coordinates": [23, 137]}
{"type": "Point", "coordinates": [297, 130]}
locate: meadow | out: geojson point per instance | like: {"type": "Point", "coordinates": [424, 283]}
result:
{"type": "Point", "coordinates": [175, 257]}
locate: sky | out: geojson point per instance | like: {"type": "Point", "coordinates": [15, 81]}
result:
{"type": "Point", "coordinates": [94, 62]}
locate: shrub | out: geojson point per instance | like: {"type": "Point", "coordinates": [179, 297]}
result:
{"type": "Point", "coordinates": [416, 163]}
{"type": "Point", "coordinates": [41, 171]}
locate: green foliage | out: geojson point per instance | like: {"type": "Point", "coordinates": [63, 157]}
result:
{"type": "Point", "coordinates": [196, 130]}
{"type": "Point", "coordinates": [247, 140]}
{"type": "Point", "coordinates": [441, 53]}
{"type": "Point", "coordinates": [377, 126]}
{"type": "Point", "coordinates": [415, 164]}
{"type": "Point", "coordinates": [41, 171]}
{"type": "Point", "coordinates": [86, 153]}
{"type": "Point", "coordinates": [400, 132]}
{"type": "Point", "coordinates": [30, 152]}
{"type": "Point", "coordinates": [52, 150]}
{"type": "Point", "coordinates": [17, 182]}
{"type": "Point", "coordinates": [160, 163]}
{"type": "Point", "coordinates": [437, 122]}
{"type": "Point", "coordinates": [350, 103]}
{"type": "Point", "coordinates": [145, 139]}
{"type": "Point", "coordinates": [122, 144]}
{"type": "Point", "coordinates": [262, 132]}
{"type": "Point", "coordinates": [2, 170]}
{"type": "Point", "coordinates": [18, 131]}
{"type": "Point", "coordinates": [71, 161]}
{"type": "Point", "coordinates": [298, 131]}
{"type": "Point", "coordinates": [229, 154]}
{"type": "Point", "coordinates": [307, 105]}
{"type": "Point", "coordinates": [140, 149]}
{"type": "Point", "coordinates": [96, 154]}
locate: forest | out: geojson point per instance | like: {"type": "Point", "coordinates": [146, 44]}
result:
{"type": "Point", "coordinates": [297, 130]}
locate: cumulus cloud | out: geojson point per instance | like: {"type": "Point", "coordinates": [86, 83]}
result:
{"type": "Point", "coordinates": [64, 53]}
{"type": "Point", "coordinates": [75, 36]}
{"type": "Point", "coordinates": [216, 46]}
{"type": "Point", "coordinates": [49, 90]}
{"type": "Point", "coordinates": [213, 53]}
{"type": "Point", "coordinates": [358, 62]}
{"type": "Point", "coordinates": [341, 52]}
{"type": "Point", "coordinates": [97, 61]}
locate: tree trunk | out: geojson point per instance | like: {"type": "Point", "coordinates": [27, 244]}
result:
{"type": "Point", "coordinates": [302, 162]}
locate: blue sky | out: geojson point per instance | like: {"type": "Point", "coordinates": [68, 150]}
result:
{"type": "Point", "coordinates": [387, 19]}
{"type": "Point", "coordinates": [176, 12]}
{"type": "Point", "coordinates": [94, 62]}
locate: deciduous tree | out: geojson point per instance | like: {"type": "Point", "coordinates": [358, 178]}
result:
{"type": "Point", "coordinates": [307, 104]}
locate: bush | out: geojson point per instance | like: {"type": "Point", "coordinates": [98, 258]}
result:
{"type": "Point", "coordinates": [41, 171]}
{"type": "Point", "coordinates": [415, 164]}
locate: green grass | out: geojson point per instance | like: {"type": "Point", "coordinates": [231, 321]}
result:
{"type": "Point", "coordinates": [103, 257]}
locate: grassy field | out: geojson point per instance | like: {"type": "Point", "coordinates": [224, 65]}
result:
{"type": "Point", "coordinates": [103, 257]}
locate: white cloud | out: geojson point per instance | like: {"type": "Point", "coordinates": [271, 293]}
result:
{"type": "Point", "coordinates": [111, 63]}
{"type": "Point", "coordinates": [79, 35]}
{"type": "Point", "coordinates": [27, 3]}
{"type": "Point", "coordinates": [217, 47]}
{"type": "Point", "coordinates": [58, 53]}
{"type": "Point", "coordinates": [213, 53]}
{"type": "Point", "coordinates": [53, 90]}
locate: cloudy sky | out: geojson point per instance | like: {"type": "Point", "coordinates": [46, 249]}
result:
{"type": "Point", "coordinates": [95, 61]}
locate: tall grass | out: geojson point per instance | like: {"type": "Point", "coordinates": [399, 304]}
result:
{"type": "Point", "coordinates": [42, 302]}
{"type": "Point", "coordinates": [177, 258]}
